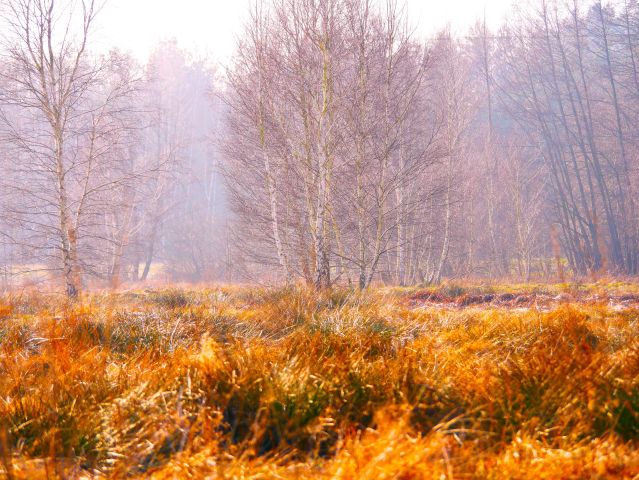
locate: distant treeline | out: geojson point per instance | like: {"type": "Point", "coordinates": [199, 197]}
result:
{"type": "Point", "coordinates": [357, 152]}
{"type": "Point", "coordinates": [337, 147]}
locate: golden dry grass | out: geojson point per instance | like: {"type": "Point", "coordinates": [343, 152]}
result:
{"type": "Point", "coordinates": [256, 383]}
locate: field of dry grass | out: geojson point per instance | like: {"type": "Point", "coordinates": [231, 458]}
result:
{"type": "Point", "coordinates": [453, 382]}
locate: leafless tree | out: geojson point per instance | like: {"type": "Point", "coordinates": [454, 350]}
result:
{"type": "Point", "coordinates": [66, 117]}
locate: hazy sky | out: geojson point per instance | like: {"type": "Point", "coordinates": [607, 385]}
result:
{"type": "Point", "coordinates": [211, 26]}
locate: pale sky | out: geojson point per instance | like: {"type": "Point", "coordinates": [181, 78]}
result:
{"type": "Point", "coordinates": [212, 26]}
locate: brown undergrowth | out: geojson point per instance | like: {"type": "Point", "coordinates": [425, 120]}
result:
{"type": "Point", "coordinates": [236, 382]}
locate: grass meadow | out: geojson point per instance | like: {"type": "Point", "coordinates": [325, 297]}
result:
{"type": "Point", "coordinates": [459, 381]}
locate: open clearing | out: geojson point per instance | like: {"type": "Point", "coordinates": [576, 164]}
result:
{"type": "Point", "coordinates": [452, 382]}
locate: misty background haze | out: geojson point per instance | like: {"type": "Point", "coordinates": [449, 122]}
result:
{"type": "Point", "coordinates": [212, 27]}
{"type": "Point", "coordinates": [323, 141]}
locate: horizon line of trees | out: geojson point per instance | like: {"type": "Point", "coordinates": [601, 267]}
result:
{"type": "Point", "coordinates": [337, 148]}
{"type": "Point", "coordinates": [357, 153]}
{"type": "Point", "coordinates": [105, 164]}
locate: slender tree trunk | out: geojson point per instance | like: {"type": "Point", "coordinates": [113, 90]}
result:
{"type": "Point", "coordinates": [68, 236]}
